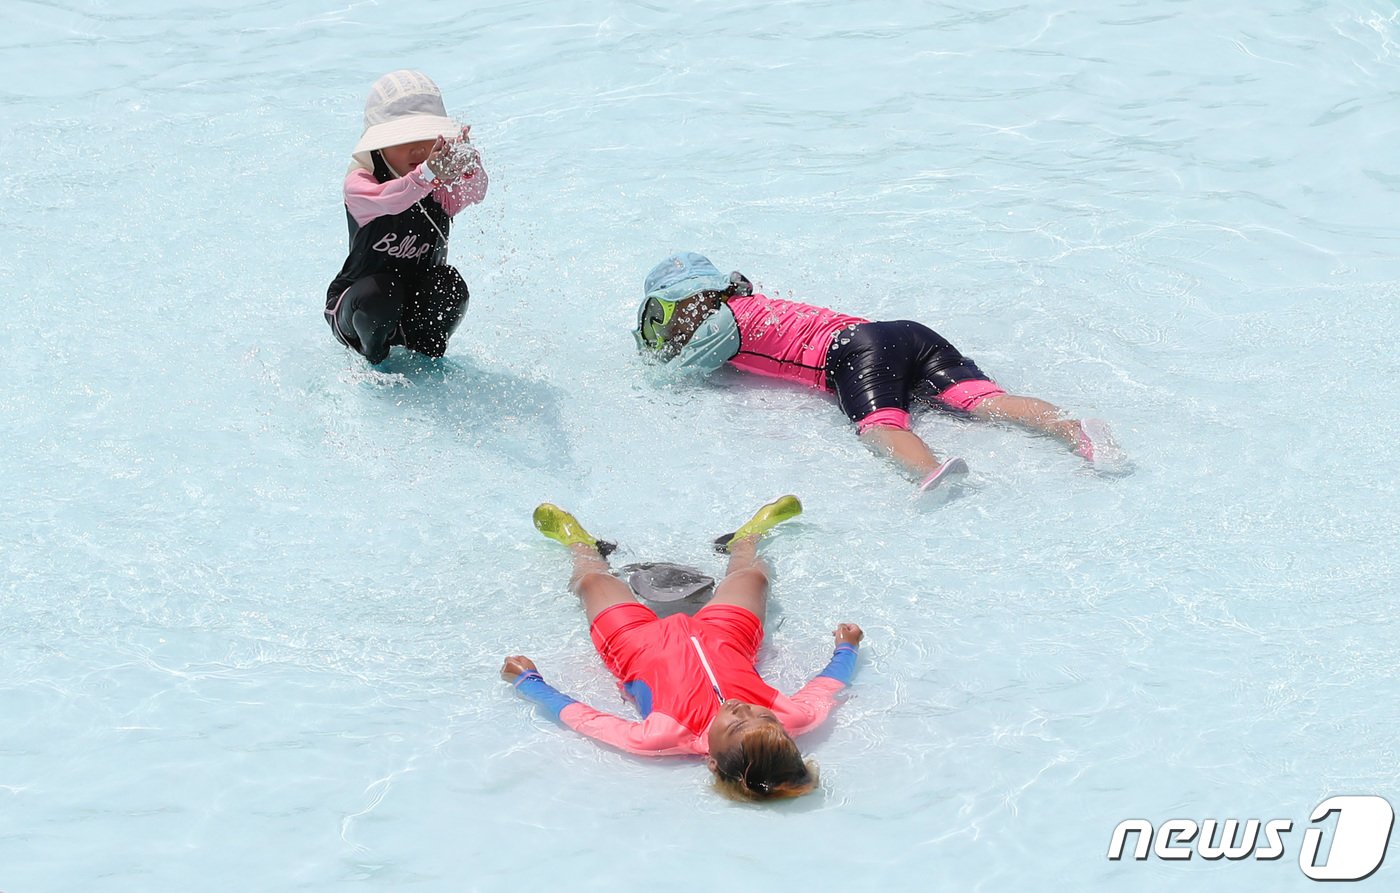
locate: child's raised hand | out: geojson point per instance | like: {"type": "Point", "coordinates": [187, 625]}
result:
{"type": "Point", "coordinates": [436, 157]}
{"type": "Point", "coordinates": [848, 634]}
{"type": "Point", "coordinates": [515, 665]}
{"type": "Point", "coordinates": [454, 159]}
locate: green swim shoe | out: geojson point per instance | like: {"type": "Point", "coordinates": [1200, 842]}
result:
{"type": "Point", "coordinates": [564, 528]}
{"type": "Point", "coordinates": [771, 515]}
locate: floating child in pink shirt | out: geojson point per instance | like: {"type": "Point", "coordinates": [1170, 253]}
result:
{"type": "Point", "coordinates": [695, 316]}
{"type": "Point", "coordinates": [414, 170]}
{"type": "Point", "coordinates": [693, 679]}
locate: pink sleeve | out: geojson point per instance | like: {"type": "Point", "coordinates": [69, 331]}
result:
{"type": "Point", "coordinates": [467, 191]}
{"type": "Point", "coordinates": [657, 735]}
{"type": "Point", "coordinates": [806, 709]}
{"type": "Point", "coordinates": [367, 198]}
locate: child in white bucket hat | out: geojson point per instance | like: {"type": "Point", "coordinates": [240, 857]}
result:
{"type": "Point", "coordinates": [414, 169]}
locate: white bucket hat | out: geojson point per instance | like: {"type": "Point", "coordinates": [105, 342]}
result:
{"type": "Point", "coordinates": [403, 107]}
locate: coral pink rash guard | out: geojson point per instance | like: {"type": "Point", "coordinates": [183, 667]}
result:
{"type": "Point", "coordinates": [786, 339]}
{"type": "Point", "coordinates": [673, 693]}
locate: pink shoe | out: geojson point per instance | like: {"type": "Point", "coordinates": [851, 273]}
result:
{"type": "Point", "coordinates": [1096, 445]}
{"type": "Point", "coordinates": [952, 469]}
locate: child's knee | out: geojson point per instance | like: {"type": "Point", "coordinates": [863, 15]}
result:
{"type": "Point", "coordinates": [750, 579]}
{"type": "Point", "coordinates": [374, 335]}
{"type": "Point", "coordinates": [594, 583]}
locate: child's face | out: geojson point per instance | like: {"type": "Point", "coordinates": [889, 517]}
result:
{"type": "Point", "coordinates": [735, 720]}
{"type": "Point", "coordinates": [406, 156]}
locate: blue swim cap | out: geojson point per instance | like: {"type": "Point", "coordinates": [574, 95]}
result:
{"type": "Point", "coordinates": [682, 275]}
{"type": "Point", "coordinates": [676, 278]}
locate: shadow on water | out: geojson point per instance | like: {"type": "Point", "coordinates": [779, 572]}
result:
{"type": "Point", "coordinates": [485, 408]}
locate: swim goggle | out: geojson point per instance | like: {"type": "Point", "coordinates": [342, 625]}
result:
{"type": "Point", "coordinates": [654, 323]}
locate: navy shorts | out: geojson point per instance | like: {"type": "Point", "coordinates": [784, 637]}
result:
{"type": "Point", "coordinates": [881, 365]}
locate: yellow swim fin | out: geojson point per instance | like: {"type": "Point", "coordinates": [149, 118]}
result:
{"type": "Point", "coordinates": [564, 528]}
{"type": "Point", "coordinates": [771, 515]}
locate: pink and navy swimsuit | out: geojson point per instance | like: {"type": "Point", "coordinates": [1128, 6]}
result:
{"type": "Point", "coordinates": [874, 368]}
{"type": "Point", "coordinates": [659, 670]}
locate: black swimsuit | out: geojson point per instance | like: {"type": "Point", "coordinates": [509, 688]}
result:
{"type": "Point", "coordinates": [395, 286]}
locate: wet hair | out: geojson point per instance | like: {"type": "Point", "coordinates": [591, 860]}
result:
{"type": "Point", "coordinates": [766, 765]}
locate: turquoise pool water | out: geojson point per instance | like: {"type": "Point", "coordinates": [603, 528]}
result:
{"type": "Point", "coordinates": [254, 596]}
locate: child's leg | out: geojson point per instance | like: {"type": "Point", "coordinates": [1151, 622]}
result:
{"type": "Point", "coordinates": [368, 315]}
{"type": "Point", "coordinates": [1031, 413]}
{"type": "Point", "coordinates": [904, 446]}
{"type": "Point", "coordinates": [873, 369]}
{"type": "Point", "coordinates": [595, 587]}
{"type": "Point", "coordinates": [745, 583]}
{"type": "Point", "coordinates": [434, 311]}
{"type": "Point", "coordinates": [590, 580]}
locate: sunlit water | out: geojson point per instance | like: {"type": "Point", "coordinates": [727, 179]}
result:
{"type": "Point", "coordinates": [255, 595]}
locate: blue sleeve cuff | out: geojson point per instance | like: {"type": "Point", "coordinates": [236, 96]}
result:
{"type": "Point", "coordinates": [842, 665]}
{"type": "Point", "coordinates": [531, 685]}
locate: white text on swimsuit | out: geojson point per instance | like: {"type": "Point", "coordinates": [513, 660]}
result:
{"type": "Point", "coordinates": [404, 249]}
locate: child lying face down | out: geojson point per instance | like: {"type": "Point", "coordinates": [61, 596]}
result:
{"type": "Point", "coordinates": [695, 316]}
